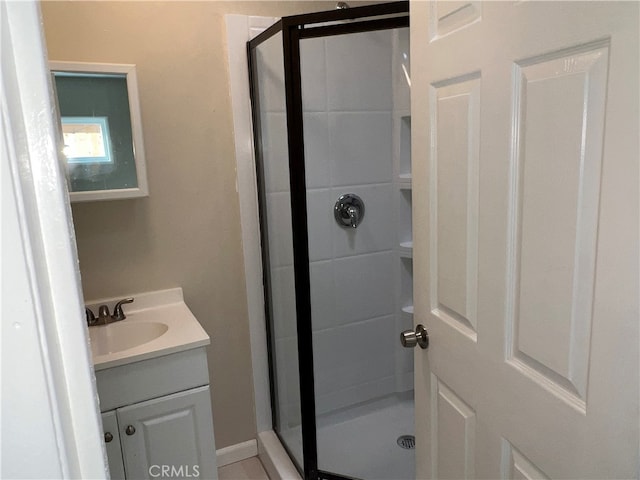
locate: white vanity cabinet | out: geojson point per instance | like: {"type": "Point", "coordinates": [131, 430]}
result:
{"type": "Point", "coordinates": [157, 417]}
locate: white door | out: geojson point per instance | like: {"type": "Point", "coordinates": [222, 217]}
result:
{"type": "Point", "coordinates": [525, 161]}
{"type": "Point", "coordinates": [170, 437]}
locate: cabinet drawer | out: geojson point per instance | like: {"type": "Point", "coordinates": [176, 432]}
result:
{"type": "Point", "coordinates": [139, 381]}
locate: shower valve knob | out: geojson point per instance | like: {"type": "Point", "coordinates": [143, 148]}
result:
{"type": "Point", "coordinates": [411, 338]}
{"type": "Point", "coordinates": [349, 210]}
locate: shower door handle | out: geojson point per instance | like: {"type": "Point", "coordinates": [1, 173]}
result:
{"type": "Point", "coordinates": [411, 338]}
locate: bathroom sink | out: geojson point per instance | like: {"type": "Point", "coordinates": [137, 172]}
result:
{"type": "Point", "coordinates": [157, 324]}
{"type": "Point", "coordinates": [116, 337]}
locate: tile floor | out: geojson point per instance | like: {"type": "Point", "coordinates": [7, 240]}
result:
{"type": "Point", "coordinates": [249, 469]}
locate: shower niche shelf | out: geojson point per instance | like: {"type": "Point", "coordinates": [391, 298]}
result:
{"type": "Point", "coordinates": [404, 164]}
{"type": "Point", "coordinates": [405, 228]}
{"type": "Point", "coordinates": [405, 249]}
{"type": "Point", "coordinates": [404, 181]}
{"type": "Point", "coordinates": [406, 285]}
{"type": "Point", "coordinates": [408, 312]}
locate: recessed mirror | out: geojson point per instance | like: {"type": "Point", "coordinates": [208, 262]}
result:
{"type": "Point", "coordinates": [101, 130]}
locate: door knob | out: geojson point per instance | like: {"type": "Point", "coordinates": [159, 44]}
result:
{"type": "Point", "coordinates": [108, 436]}
{"type": "Point", "coordinates": [410, 338]}
{"type": "Point", "coordinates": [130, 430]}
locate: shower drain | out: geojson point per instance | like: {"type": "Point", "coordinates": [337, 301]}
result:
{"type": "Point", "coordinates": [407, 441]}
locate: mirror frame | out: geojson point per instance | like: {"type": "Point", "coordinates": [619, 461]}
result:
{"type": "Point", "coordinates": [129, 70]}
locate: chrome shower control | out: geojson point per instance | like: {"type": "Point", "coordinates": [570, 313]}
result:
{"type": "Point", "coordinates": [410, 338]}
{"type": "Point", "coordinates": [349, 210]}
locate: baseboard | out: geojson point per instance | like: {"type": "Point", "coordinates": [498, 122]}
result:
{"type": "Point", "coordinates": [274, 458]}
{"type": "Point", "coordinates": [237, 452]}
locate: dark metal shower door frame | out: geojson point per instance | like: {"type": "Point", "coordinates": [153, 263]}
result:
{"type": "Point", "coordinates": [294, 29]}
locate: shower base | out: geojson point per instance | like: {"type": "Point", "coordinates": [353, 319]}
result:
{"type": "Point", "coordinates": [361, 441]}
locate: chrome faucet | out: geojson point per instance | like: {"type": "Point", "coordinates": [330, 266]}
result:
{"type": "Point", "coordinates": [104, 318]}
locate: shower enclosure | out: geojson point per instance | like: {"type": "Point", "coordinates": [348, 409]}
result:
{"type": "Point", "coordinates": [332, 128]}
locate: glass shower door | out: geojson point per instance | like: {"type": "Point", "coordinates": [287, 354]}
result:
{"type": "Point", "coordinates": [355, 100]}
{"type": "Point", "coordinates": [330, 97]}
{"type": "Point", "coordinates": [275, 211]}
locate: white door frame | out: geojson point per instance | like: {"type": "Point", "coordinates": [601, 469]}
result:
{"type": "Point", "coordinates": [240, 29]}
{"type": "Point", "coordinates": [50, 417]}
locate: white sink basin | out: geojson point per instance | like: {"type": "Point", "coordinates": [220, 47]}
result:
{"type": "Point", "coordinates": [120, 336]}
{"type": "Point", "coordinates": [157, 324]}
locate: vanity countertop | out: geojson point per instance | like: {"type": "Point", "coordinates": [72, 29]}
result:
{"type": "Point", "coordinates": [161, 311]}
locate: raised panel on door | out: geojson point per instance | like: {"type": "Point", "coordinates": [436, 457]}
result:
{"type": "Point", "coordinates": [449, 16]}
{"type": "Point", "coordinates": [172, 434]}
{"type": "Point", "coordinates": [455, 130]}
{"type": "Point", "coordinates": [518, 467]}
{"type": "Point", "coordinates": [114, 451]}
{"type": "Point", "coordinates": [453, 435]}
{"type": "Point", "coordinates": [559, 101]}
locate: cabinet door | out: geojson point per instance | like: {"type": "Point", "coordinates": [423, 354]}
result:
{"type": "Point", "coordinates": [112, 442]}
{"type": "Point", "coordinates": [170, 436]}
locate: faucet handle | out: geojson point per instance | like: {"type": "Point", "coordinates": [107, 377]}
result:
{"type": "Point", "coordinates": [354, 216]}
{"type": "Point", "coordinates": [103, 313]}
{"type": "Point", "coordinates": [91, 318]}
{"type": "Point", "coordinates": [118, 313]}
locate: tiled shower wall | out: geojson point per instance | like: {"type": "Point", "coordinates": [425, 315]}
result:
{"type": "Point", "coordinates": [353, 102]}
{"type": "Point", "coordinates": [348, 91]}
